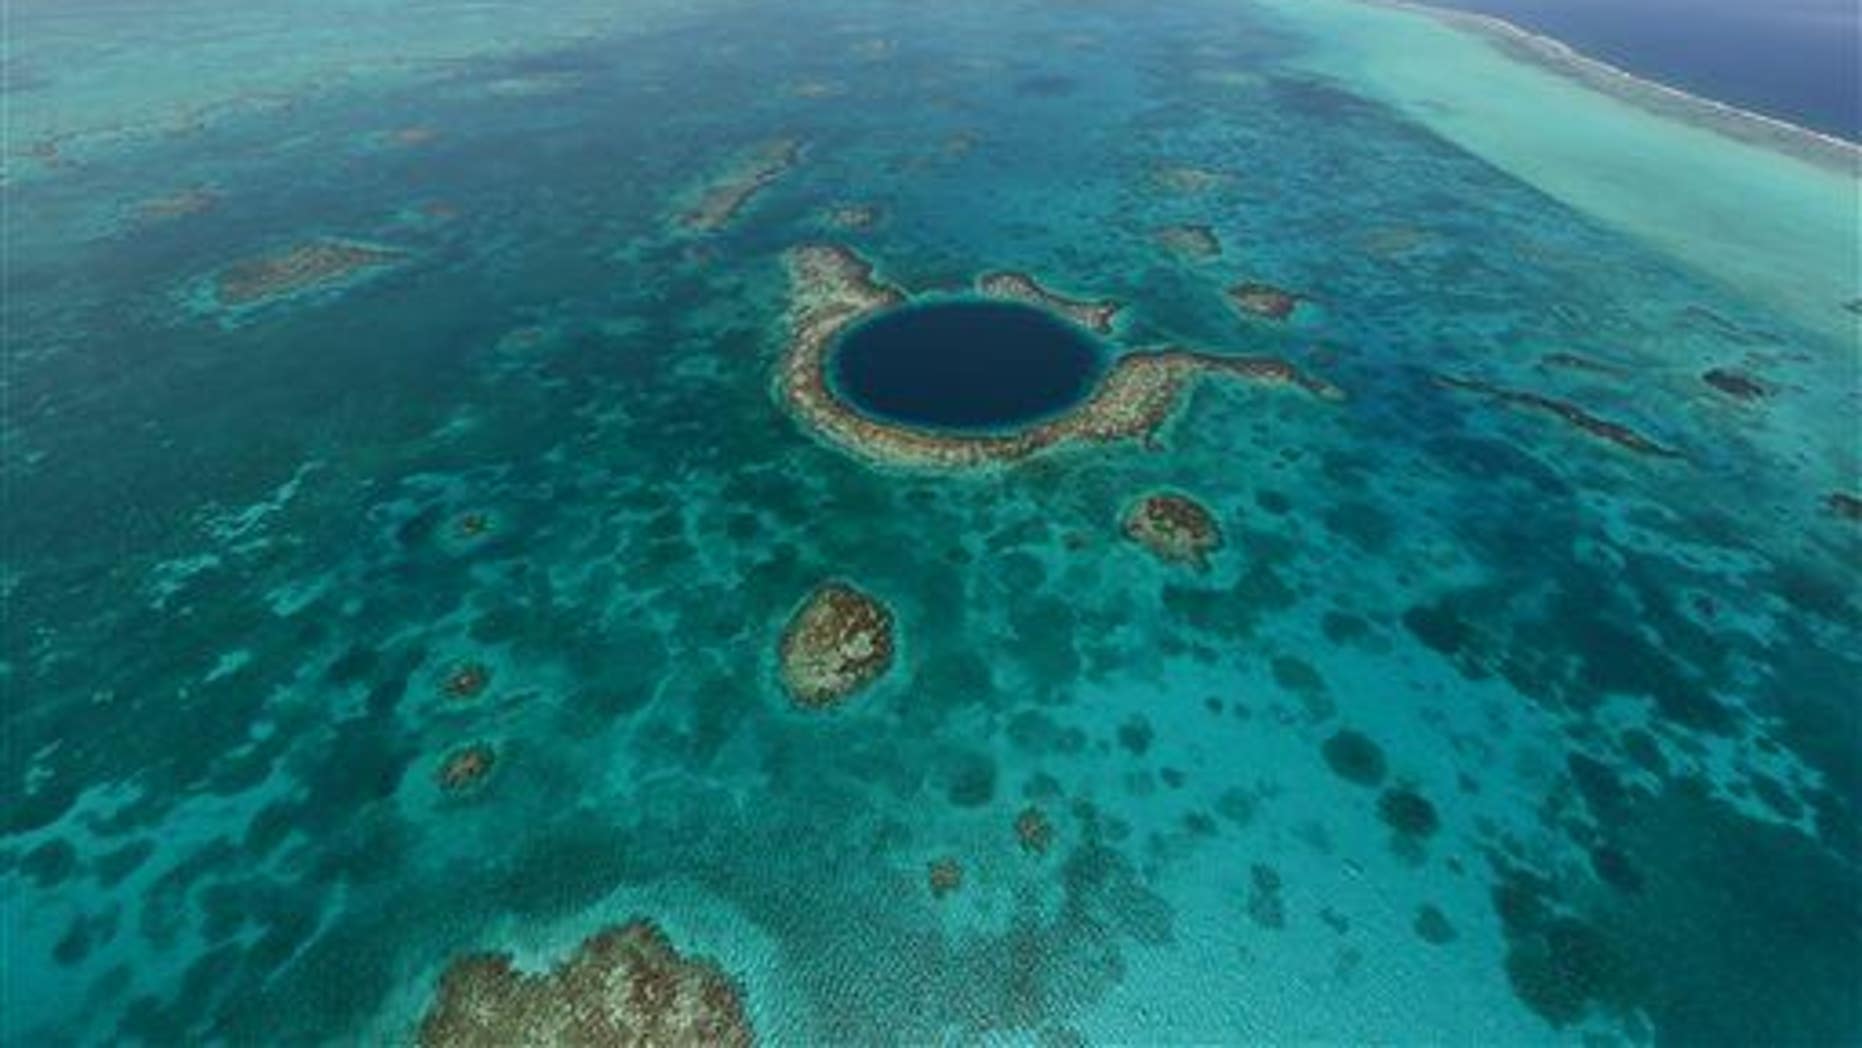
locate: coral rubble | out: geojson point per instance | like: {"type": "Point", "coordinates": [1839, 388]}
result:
{"type": "Point", "coordinates": [1176, 528]}
{"type": "Point", "coordinates": [832, 288]}
{"type": "Point", "coordinates": [625, 985]}
{"type": "Point", "coordinates": [1020, 287]}
{"type": "Point", "coordinates": [837, 642]}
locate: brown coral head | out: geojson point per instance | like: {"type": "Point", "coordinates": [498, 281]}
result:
{"type": "Point", "coordinates": [467, 766]}
{"type": "Point", "coordinates": [945, 876]}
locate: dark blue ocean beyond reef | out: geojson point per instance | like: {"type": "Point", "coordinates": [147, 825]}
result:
{"type": "Point", "coordinates": [1796, 60]}
{"type": "Point", "coordinates": [405, 513]}
{"type": "Point", "coordinates": [966, 365]}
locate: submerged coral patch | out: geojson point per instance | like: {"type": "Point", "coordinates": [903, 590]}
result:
{"type": "Point", "coordinates": [1352, 756]}
{"type": "Point", "coordinates": [721, 201]}
{"type": "Point", "coordinates": [1191, 241]}
{"type": "Point", "coordinates": [625, 985]}
{"type": "Point", "coordinates": [1734, 383]}
{"type": "Point", "coordinates": [1408, 812]}
{"type": "Point", "coordinates": [1263, 300]}
{"type": "Point", "coordinates": [837, 642]}
{"type": "Point", "coordinates": [313, 266]}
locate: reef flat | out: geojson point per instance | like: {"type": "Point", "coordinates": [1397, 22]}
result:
{"type": "Point", "coordinates": [832, 288]}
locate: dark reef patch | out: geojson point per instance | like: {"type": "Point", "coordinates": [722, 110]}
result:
{"type": "Point", "coordinates": [1265, 906]}
{"type": "Point", "coordinates": [966, 365]}
{"type": "Point", "coordinates": [1433, 927]}
{"type": "Point", "coordinates": [1735, 384]}
{"type": "Point", "coordinates": [1135, 735]}
{"type": "Point", "coordinates": [1352, 756]}
{"type": "Point", "coordinates": [1408, 812]}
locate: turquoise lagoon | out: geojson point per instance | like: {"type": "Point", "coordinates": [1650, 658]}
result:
{"type": "Point", "coordinates": [1481, 727]}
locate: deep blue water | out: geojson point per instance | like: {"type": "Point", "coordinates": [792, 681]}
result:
{"type": "Point", "coordinates": [1792, 59]}
{"type": "Point", "coordinates": [966, 365]}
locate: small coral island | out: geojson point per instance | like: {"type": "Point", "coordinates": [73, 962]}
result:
{"type": "Point", "coordinates": [625, 985]}
{"type": "Point", "coordinates": [1176, 528]}
{"type": "Point", "coordinates": [837, 642]}
{"type": "Point", "coordinates": [832, 288]}
{"type": "Point", "coordinates": [306, 267]}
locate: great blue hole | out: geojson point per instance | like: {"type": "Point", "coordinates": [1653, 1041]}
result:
{"type": "Point", "coordinates": [966, 365]}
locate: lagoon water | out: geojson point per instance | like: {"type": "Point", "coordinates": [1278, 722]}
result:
{"type": "Point", "coordinates": [393, 384]}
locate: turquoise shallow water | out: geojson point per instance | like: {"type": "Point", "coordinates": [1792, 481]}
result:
{"type": "Point", "coordinates": [1478, 728]}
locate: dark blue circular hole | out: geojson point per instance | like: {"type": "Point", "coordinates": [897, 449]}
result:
{"type": "Point", "coordinates": [966, 365]}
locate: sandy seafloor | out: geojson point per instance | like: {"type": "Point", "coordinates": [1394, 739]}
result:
{"type": "Point", "coordinates": [234, 583]}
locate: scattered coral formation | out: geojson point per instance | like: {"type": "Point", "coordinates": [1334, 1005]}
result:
{"type": "Point", "coordinates": [1033, 830]}
{"type": "Point", "coordinates": [467, 767]}
{"type": "Point", "coordinates": [722, 200]}
{"type": "Point", "coordinates": [1020, 287]}
{"type": "Point", "coordinates": [1263, 300]}
{"type": "Point", "coordinates": [1192, 241]}
{"type": "Point", "coordinates": [833, 288]}
{"type": "Point", "coordinates": [837, 642]}
{"type": "Point", "coordinates": [182, 202]}
{"type": "Point", "coordinates": [306, 267]}
{"type": "Point", "coordinates": [625, 985]}
{"type": "Point", "coordinates": [945, 876]}
{"type": "Point", "coordinates": [1735, 384]}
{"type": "Point", "coordinates": [1615, 433]}
{"type": "Point", "coordinates": [1177, 528]}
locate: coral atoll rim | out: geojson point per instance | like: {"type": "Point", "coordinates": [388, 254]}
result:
{"type": "Point", "coordinates": [832, 287]}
